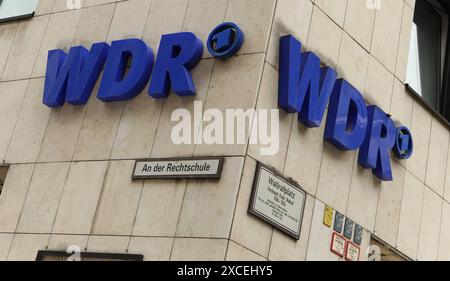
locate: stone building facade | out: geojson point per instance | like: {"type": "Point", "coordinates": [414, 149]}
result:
{"type": "Point", "coordinates": [68, 179]}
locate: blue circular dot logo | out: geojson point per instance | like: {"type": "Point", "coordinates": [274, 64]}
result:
{"type": "Point", "coordinates": [403, 147]}
{"type": "Point", "coordinates": [225, 40]}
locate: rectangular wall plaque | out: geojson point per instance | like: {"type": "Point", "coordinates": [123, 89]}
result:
{"type": "Point", "coordinates": [338, 222]}
{"type": "Point", "coordinates": [277, 201]}
{"type": "Point", "coordinates": [328, 216]}
{"type": "Point", "coordinates": [348, 228]}
{"type": "Point", "coordinates": [351, 252]}
{"type": "Point", "coordinates": [337, 244]}
{"type": "Point", "coordinates": [179, 168]}
{"type": "Point", "coordinates": [357, 237]}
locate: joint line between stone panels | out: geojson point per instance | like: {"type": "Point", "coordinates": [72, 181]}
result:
{"type": "Point", "coordinates": [115, 235]}
{"type": "Point", "coordinates": [293, 124]}
{"type": "Point", "coordinates": [210, 78]}
{"type": "Point", "coordinates": [122, 111]}
{"type": "Point", "coordinates": [345, 15]}
{"type": "Point", "coordinates": [309, 230]}
{"type": "Point", "coordinates": [382, 64]}
{"type": "Point", "coordinates": [310, 225]}
{"type": "Point", "coordinates": [135, 216]}
{"type": "Point", "coordinates": [367, 72]}
{"type": "Point", "coordinates": [94, 219]}
{"type": "Point", "coordinates": [420, 223]}
{"type": "Point", "coordinates": [189, 237]}
{"type": "Point", "coordinates": [371, 42]}
{"type": "Point", "coordinates": [270, 242]}
{"type": "Point", "coordinates": [354, 164]}
{"type": "Point", "coordinates": [83, 7]}
{"type": "Point", "coordinates": [440, 231]}
{"type": "Point", "coordinates": [234, 209]}
{"type": "Point", "coordinates": [446, 175]}
{"type": "Point", "coordinates": [406, 2]}
{"type": "Point", "coordinates": [226, 10]}
{"type": "Point", "coordinates": [310, 22]}
{"type": "Point", "coordinates": [373, 31]}
{"type": "Point", "coordinates": [123, 103]}
{"type": "Point", "coordinates": [356, 41]}
{"type": "Point", "coordinates": [392, 94]}
{"type": "Point", "coordinates": [59, 202]}
{"type": "Point", "coordinates": [320, 168]}
{"type": "Point", "coordinates": [273, 66]}
{"type": "Point", "coordinates": [428, 152]}
{"type": "Point", "coordinates": [340, 47]}
{"type": "Point", "coordinates": [112, 19]}
{"type": "Point", "coordinates": [326, 14]}
{"type": "Point", "coordinates": [271, 28]}
{"type": "Point", "coordinates": [399, 41]}
{"type": "Point", "coordinates": [164, 101]}
{"type": "Point", "coordinates": [43, 136]}
{"type": "Point", "coordinates": [351, 36]}
{"type": "Point", "coordinates": [446, 168]}
{"type": "Point", "coordinates": [17, 120]}
{"type": "Point", "coordinates": [204, 107]}
{"type": "Point", "coordinates": [185, 13]}
{"type": "Point", "coordinates": [425, 185]}
{"type": "Point", "coordinates": [235, 205]}
{"type": "Point", "coordinates": [178, 219]}
{"type": "Point", "coordinates": [248, 249]}
{"type": "Point", "coordinates": [40, 45]}
{"type": "Point", "coordinates": [338, 60]}
{"type": "Point", "coordinates": [21, 210]}
{"type": "Point", "coordinates": [407, 160]}
{"type": "Point", "coordinates": [261, 74]}
{"type": "Point", "coordinates": [20, 79]}
{"type": "Point", "coordinates": [344, 31]}
{"type": "Point", "coordinates": [78, 137]}
{"type": "Point", "coordinates": [9, 51]}
{"type": "Point", "coordinates": [53, 6]}
{"type": "Point", "coordinates": [401, 204]}
{"type": "Point", "coordinates": [161, 110]}
{"type": "Point", "coordinates": [288, 143]}
{"type": "Point", "coordinates": [376, 208]}
{"type": "Point", "coordinates": [146, 19]}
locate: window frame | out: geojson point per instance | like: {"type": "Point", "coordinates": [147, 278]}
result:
{"type": "Point", "coordinates": [442, 112]}
{"type": "Point", "coordinates": [18, 17]}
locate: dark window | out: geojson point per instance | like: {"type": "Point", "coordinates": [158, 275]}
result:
{"type": "Point", "coordinates": [3, 173]}
{"type": "Point", "coordinates": [381, 251]}
{"type": "Point", "coordinates": [428, 62]}
{"type": "Point", "coordinates": [85, 256]}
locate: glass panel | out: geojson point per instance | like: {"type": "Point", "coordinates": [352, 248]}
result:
{"type": "Point", "coordinates": [16, 8]}
{"type": "Point", "coordinates": [424, 64]}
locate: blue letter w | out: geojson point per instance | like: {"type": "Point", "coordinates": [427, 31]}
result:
{"type": "Point", "coordinates": [304, 87]}
{"type": "Point", "coordinates": [72, 77]}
